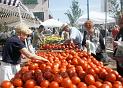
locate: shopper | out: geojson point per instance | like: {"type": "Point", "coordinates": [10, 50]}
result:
{"type": "Point", "coordinates": [93, 40]}
{"type": "Point", "coordinates": [12, 51]}
{"type": "Point", "coordinates": [75, 36]}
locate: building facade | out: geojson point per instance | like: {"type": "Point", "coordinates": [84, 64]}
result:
{"type": "Point", "coordinates": [40, 8]}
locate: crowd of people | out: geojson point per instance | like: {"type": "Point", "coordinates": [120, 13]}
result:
{"type": "Point", "coordinates": [15, 48]}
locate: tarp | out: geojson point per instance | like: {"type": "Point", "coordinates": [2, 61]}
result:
{"type": "Point", "coordinates": [96, 17]}
{"type": "Point", "coordinates": [52, 23]}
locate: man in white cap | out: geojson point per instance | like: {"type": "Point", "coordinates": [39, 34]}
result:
{"type": "Point", "coordinates": [75, 36]}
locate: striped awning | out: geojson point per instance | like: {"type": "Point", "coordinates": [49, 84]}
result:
{"type": "Point", "coordinates": [9, 12]}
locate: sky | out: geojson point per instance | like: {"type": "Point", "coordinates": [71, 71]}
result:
{"type": "Point", "coordinates": [57, 8]}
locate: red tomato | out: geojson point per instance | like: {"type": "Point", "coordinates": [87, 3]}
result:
{"type": "Point", "coordinates": [6, 84]}
{"type": "Point", "coordinates": [81, 85]}
{"type": "Point", "coordinates": [109, 83]}
{"type": "Point", "coordinates": [29, 84]}
{"type": "Point", "coordinates": [37, 87]}
{"type": "Point", "coordinates": [117, 84]}
{"type": "Point", "coordinates": [24, 69]}
{"type": "Point", "coordinates": [98, 84]}
{"type": "Point", "coordinates": [17, 82]}
{"type": "Point", "coordinates": [90, 71]}
{"type": "Point", "coordinates": [105, 86]}
{"type": "Point", "coordinates": [58, 78]}
{"type": "Point", "coordinates": [111, 77]}
{"type": "Point", "coordinates": [66, 82]}
{"type": "Point", "coordinates": [92, 86]}
{"type": "Point", "coordinates": [45, 83]}
{"type": "Point", "coordinates": [75, 80]}
{"type": "Point", "coordinates": [53, 84]}
{"type": "Point", "coordinates": [89, 79]}
{"type": "Point", "coordinates": [33, 66]}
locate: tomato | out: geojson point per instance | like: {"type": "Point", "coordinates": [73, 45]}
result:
{"type": "Point", "coordinates": [103, 74]}
{"type": "Point", "coordinates": [69, 57]}
{"type": "Point", "coordinates": [90, 71]}
{"type": "Point", "coordinates": [96, 70]}
{"type": "Point", "coordinates": [6, 84]}
{"type": "Point", "coordinates": [37, 87]}
{"type": "Point", "coordinates": [53, 84]}
{"type": "Point", "coordinates": [17, 82]}
{"type": "Point", "coordinates": [92, 86]}
{"type": "Point", "coordinates": [47, 75]}
{"type": "Point", "coordinates": [75, 80]}
{"type": "Point", "coordinates": [44, 83]}
{"type": "Point", "coordinates": [18, 75]}
{"type": "Point", "coordinates": [73, 86]}
{"type": "Point", "coordinates": [29, 84]}
{"type": "Point", "coordinates": [105, 86]}
{"type": "Point", "coordinates": [117, 84]}
{"type": "Point", "coordinates": [66, 82]}
{"type": "Point", "coordinates": [89, 79]}
{"type": "Point", "coordinates": [81, 85]}
{"type": "Point", "coordinates": [81, 75]}
{"type": "Point", "coordinates": [97, 84]}
{"type": "Point", "coordinates": [58, 78]}
{"type": "Point", "coordinates": [79, 68]}
{"type": "Point", "coordinates": [111, 77]}
{"type": "Point", "coordinates": [109, 83]}
{"type": "Point", "coordinates": [42, 66]}
{"type": "Point", "coordinates": [64, 74]}
{"type": "Point", "coordinates": [28, 75]}
{"type": "Point", "coordinates": [33, 66]}
{"type": "Point", "coordinates": [24, 69]}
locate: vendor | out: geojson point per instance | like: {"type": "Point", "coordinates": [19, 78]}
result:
{"type": "Point", "coordinates": [38, 37]}
{"type": "Point", "coordinates": [75, 36]}
{"type": "Point", "coordinates": [12, 51]}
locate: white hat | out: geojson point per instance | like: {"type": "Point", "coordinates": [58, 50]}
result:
{"type": "Point", "coordinates": [63, 26]}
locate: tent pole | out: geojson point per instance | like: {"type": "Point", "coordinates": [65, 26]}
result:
{"type": "Point", "coordinates": [19, 13]}
{"type": "Point", "coordinates": [88, 10]}
{"type": "Point", "coordinates": [105, 24]}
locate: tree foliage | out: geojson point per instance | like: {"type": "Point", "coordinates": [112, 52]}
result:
{"type": "Point", "coordinates": [74, 13]}
{"type": "Point", "coordinates": [115, 8]}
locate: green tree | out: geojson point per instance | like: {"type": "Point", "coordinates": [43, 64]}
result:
{"type": "Point", "coordinates": [74, 13]}
{"type": "Point", "coordinates": [115, 9]}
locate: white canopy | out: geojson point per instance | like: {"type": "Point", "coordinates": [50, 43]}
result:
{"type": "Point", "coordinates": [96, 17]}
{"type": "Point", "coordinates": [52, 23]}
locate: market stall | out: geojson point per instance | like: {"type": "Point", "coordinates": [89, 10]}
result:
{"type": "Point", "coordinates": [68, 69]}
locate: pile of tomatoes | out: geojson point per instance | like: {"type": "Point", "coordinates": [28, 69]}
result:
{"type": "Point", "coordinates": [68, 69]}
{"type": "Point", "coordinates": [59, 46]}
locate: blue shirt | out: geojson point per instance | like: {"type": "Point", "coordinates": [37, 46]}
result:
{"type": "Point", "coordinates": [11, 51]}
